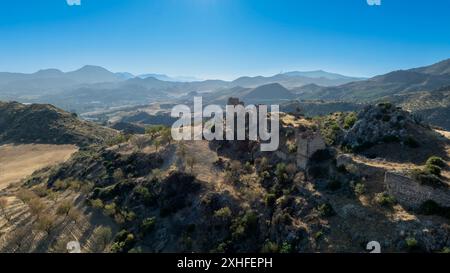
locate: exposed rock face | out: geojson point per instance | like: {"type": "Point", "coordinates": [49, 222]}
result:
{"type": "Point", "coordinates": [308, 143]}
{"type": "Point", "coordinates": [410, 193]}
{"type": "Point", "coordinates": [380, 123]}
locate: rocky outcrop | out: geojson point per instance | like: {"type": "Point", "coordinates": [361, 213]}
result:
{"type": "Point", "coordinates": [377, 124]}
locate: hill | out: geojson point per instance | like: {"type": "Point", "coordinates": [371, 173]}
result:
{"type": "Point", "coordinates": [43, 123]}
{"type": "Point", "coordinates": [268, 92]}
{"type": "Point", "coordinates": [393, 83]}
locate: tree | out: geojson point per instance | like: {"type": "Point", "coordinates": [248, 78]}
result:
{"type": "Point", "coordinates": [3, 206]}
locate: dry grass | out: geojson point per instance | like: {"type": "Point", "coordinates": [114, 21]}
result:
{"type": "Point", "coordinates": [19, 161]}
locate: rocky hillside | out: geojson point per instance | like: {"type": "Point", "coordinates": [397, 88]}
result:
{"type": "Point", "coordinates": [200, 196]}
{"type": "Point", "coordinates": [42, 123]}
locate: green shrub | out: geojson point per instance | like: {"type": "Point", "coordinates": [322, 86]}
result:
{"type": "Point", "coordinates": [280, 171]}
{"type": "Point", "coordinates": [411, 243]}
{"type": "Point", "coordinates": [350, 120]}
{"type": "Point", "coordinates": [433, 169]}
{"type": "Point", "coordinates": [123, 242]}
{"type": "Point", "coordinates": [286, 248]}
{"type": "Point", "coordinates": [292, 147]}
{"type": "Point", "coordinates": [445, 250]}
{"type": "Point", "coordinates": [385, 199]}
{"type": "Point", "coordinates": [360, 189]}
{"type": "Point", "coordinates": [223, 213]}
{"type": "Point", "coordinates": [326, 210]}
{"type": "Point", "coordinates": [270, 247]}
{"type": "Point", "coordinates": [318, 235]}
{"type": "Point", "coordinates": [97, 204]}
{"type": "Point", "coordinates": [437, 161]}
{"type": "Point", "coordinates": [245, 225]}
{"type": "Point", "coordinates": [144, 194]}
{"type": "Point", "coordinates": [110, 209]}
{"type": "Point", "coordinates": [148, 225]}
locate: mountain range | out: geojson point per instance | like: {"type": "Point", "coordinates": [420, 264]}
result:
{"type": "Point", "coordinates": [93, 87]}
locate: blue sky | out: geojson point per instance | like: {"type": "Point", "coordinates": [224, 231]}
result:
{"type": "Point", "coordinates": [224, 38]}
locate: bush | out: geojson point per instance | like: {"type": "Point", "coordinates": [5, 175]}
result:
{"type": "Point", "coordinates": [411, 243]}
{"type": "Point", "coordinates": [437, 161]}
{"type": "Point", "coordinates": [270, 247]}
{"type": "Point", "coordinates": [326, 210]}
{"type": "Point", "coordinates": [433, 169]}
{"type": "Point", "coordinates": [426, 178]}
{"type": "Point", "coordinates": [360, 189]}
{"type": "Point", "coordinates": [350, 120]}
{"type": "Point", "coordinates": [223, 213]}
{"type": "Point", "coordinates": [110, 209]}
{"type": "Point", "coordinates": [144, 194]}
{"type": "Point", "coordinates": [280, 171]}
{"type": "Point", "coordinates": [148, 225]}
{"type": "Point", "coordinates": [97, 204]}
{"type": "Point", "coordinates": [286, 248]}
{"type": "Point", "coordinates": [385, 199]}
{"type": "Point", "coordinates": [123, 242]}
{"type": "Point", "coordinates": [292, 147]}
{"type": "Point", "coordinates": [245, 225]}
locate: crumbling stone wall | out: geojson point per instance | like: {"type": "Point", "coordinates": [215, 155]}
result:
{"type": "Point", "coordinates": [410, 193]}
{"type": "Point", "coordinates": [307, 144]}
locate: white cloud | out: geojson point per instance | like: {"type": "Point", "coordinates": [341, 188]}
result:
{"type": "Point", "coordinates": [73, 2]}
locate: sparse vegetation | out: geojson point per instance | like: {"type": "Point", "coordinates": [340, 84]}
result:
{"type": "Point", "coordinates": [385, 200]}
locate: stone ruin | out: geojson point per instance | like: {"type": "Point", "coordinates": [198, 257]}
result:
{"type": "Point", "coordinates": [412, 194]}
{"type": "Point", "coordinates": [308, 143]}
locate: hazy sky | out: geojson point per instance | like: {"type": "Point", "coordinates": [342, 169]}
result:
{"type": "Point", "coordinates": [223, 38]}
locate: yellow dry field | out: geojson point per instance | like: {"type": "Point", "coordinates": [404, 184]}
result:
{"type": "Point", "coordinates": [19, 161]}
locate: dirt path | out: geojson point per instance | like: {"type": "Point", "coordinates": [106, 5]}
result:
{"type": "Point", "coordinates": [19, 161]}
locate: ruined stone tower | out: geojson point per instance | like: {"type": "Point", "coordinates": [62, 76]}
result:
{"type": "Point", "coordinates": [308, 143]}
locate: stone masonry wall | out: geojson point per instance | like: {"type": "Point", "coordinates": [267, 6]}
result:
{"type": "Point", "coordinates": [307, 144]}
{"type": "Point", "coordinates": [410, 193]}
